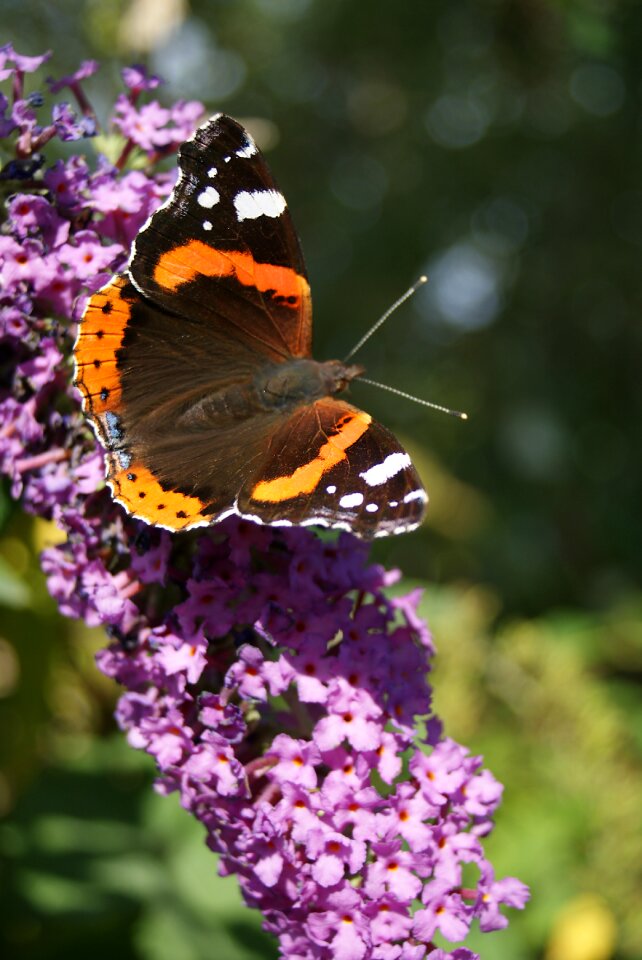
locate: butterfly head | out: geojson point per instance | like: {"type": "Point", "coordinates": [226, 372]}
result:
{"type": "Point", "coordinates": [338, 374]}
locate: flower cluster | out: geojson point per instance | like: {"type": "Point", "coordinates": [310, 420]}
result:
{"type": "Point", "coordinates": [269, 673]}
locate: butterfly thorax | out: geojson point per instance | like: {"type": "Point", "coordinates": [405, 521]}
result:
{"type": "Point", "coordinates": [285, 386]}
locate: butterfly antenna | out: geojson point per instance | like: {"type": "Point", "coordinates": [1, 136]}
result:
{"type": "Point", "coordinates": [402, 299]}
{"type": "Point", "coordinates": [409, 396]}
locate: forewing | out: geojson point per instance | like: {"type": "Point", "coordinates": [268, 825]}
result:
{"type": "Point", "coordinates": [223, 248]}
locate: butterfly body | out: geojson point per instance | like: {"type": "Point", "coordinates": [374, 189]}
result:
{"type": "Point", "coordinates": [287, 385]}
{"type": "Point", "coordinates": [197, 376]}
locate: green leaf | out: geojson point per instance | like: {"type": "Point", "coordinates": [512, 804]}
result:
{"type": "Point", "coordinates": [14, 592]}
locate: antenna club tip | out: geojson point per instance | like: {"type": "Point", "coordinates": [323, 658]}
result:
{"type": "Point", "coordinates": [463, 416]}
{"type": "Point", "coordinates": [423, 278]}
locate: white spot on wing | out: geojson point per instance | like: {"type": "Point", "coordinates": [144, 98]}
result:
{"type": "Point", "coordinates": [351, 500]}
{"type": "Point", "coordinates": [248, 149]}
{"type": "Point", "coordinates": [388, 468]}
{"type": "Point", "coordinates": [209, 197]}
{"type": "Point", "coordinates": [331, 489]}
{"type": "Point", "coordinates": [416, 495]}
{"type": "Point", "coordinates": [400, 528]}
{"type": "Point", "coordinates": [372, 507]}
{"type": "Point", "coordinates": [212, 172]}
{"type": "Point", "coordinates": [259, 203]}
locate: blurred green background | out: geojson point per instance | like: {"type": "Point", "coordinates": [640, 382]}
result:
{"type": "Point", "coordinates": [496, 146]}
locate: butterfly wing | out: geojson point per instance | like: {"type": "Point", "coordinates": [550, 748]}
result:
{"type": "Point", "coordinates": [345, 470]}
{"type": "Point", "coordinates": [166, 356]}
{"type": "Point", "coordinates": [177, 455]}
{"type": "Point", "coordinates": [223, 250]}
{"type": "Point", "coordinates": [216, 288]}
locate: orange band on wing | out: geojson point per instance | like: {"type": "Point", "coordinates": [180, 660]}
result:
{"type": "Point", "coordinates": [99, 336]}
{"type": "Point", "coordinates": [182, 264]}
{"type": "Point", "coordinates": [141, 494]}
{"type": "Point", "coordinates": [305, 478]}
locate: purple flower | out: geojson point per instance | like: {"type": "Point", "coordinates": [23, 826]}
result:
{"type": "Point", "coordinates": [461, 953]}
{"type": "Point", "coordinates": [86, 256]}
{"type": "Point", "coordinates": [351, 717]}
{"type": "Point", "coordinates": [342, 926]}
{"type": "Point", "coordinates": [33, 215]}
{"type": "Point", "coordinates": [71, 127]}
{"type": "Point", "coordinates": [453, 849]}
{"type": "Point", "coordinates": [387, 758]}
{"type": "Point", "coordinates": [186, 115]}
{"type": "Point", "coordinates": [152, 127]}
{"type": "Point", "coordinates": [407, 605]}
{"type": "Point", "coordinates": [86, 69]}
{"type": "Point", "coordinates": [25, 118]}
{"type": "Point", "coordinates": [246, 673]}
{"type": "Point", "coordinates": [14, 322]}
{"type": "Point", "coordinates": [67, 182]}
{"type": "Point", "coordinates": [277, 685]}
{"type": "Point", "coordinates": [409, 816]}
{"type": "Point", "coordinates": [19, 428]}
{"type": "Point", "coordinates": [295, 761]}
{"type": "Point", "coordinates": [226, 718]}
{"type": "Point", "coordinates": [390, 926]}
{"type": "Point", "coordinates": [445, 911]}
{"type": "Point", "coordinates": [25, 64]}
{"type": "Point", "coordinates": [139, 80]}
{"type": "Point", "coordinates": [333, 854]}
{"type": "Point", "coordinates": [353, 808]}
{"type": "Point", "coordinates": [40, 370]}
{"type": "Point", "coordinates": [393, 872]}
{"type": "Point", "coordinates": [177, 655]}
{"type": "Point", "coordinates": [212, 764]}
{"type": "Point", "coordinates": [493, 893]}
{"type": "Point", "coordinates": [145, 126]}
{"type": "Point", "coordinates": [169, 742]}
{"type": "Point", "coordinates": [125, 203]}
{"type": "Point", "coordinates": [440, 773]}
{"type": "Point", "coordinates": [22, 265]}
{"type": "Point", "coordinates": [7, 124]}
{"type": "Point", "coordinates": [268, 861]}
{"type": "Point", "coordinates": [150, 561]}
{"type": "Point", "coordinates": [482, 797]}
{"type": "Point", "coordinates": [59, 288]}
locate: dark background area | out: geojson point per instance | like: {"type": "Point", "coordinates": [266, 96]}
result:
{"type": "Point", "coordinates": [495, 146]}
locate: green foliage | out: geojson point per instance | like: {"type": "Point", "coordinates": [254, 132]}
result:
{"type": "Point", "coordinates": [98, 863]}
{"type": "Point", "coordinates": [541, 700]}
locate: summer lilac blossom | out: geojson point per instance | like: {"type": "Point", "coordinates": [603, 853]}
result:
{"type": "Point", "coordinates": [280, 694]}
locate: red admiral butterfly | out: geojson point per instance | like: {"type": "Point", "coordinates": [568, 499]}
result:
{"type": "Point", "coordinates": [196, 373]}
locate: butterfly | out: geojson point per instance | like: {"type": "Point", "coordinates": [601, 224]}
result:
{"type": "Point", "coordinates": [196, 372]}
